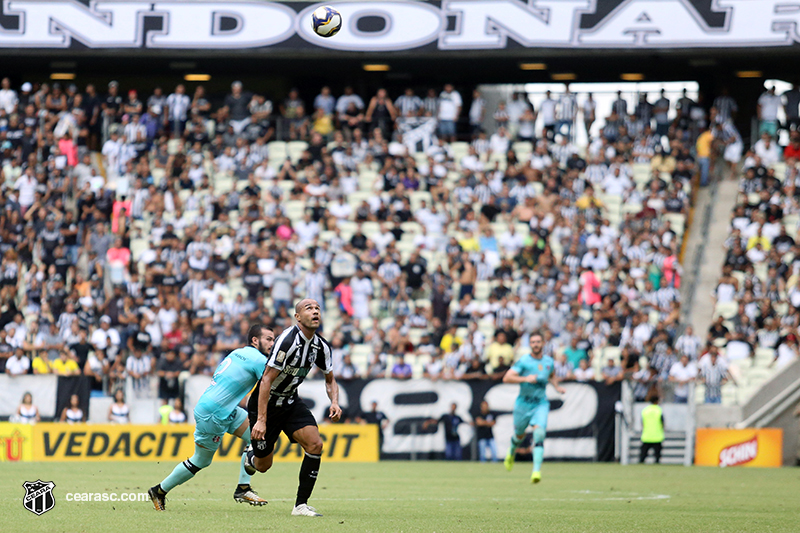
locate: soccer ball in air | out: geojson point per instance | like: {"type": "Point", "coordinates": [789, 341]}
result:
{"type": "Point", "coordinates": [326, 21]}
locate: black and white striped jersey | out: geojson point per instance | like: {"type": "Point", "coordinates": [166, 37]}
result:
{"type": "Point", "coordinates": [293, 355]}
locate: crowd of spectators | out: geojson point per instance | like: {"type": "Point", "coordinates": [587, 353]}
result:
{"type": "Point", "coordinates": [430, 256]}
{"type": "Point", "coordinates": [757, 297]}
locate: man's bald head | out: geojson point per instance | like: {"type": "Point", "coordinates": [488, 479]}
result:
{"type": "Point", "coordinates": [302, 303]}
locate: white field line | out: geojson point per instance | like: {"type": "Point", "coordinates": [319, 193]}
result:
{"type": "Point", "coordinates": [632, 496]}
{"type": "Point", "coordinates": [621, 497]}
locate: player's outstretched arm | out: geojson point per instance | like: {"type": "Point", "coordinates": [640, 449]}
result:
{"type": "Point", "coordinates": [332, 388]}
{"type": "Point", "coordinates": [260, 427]}
{"type": "Point", "coordinates": [512, 376]}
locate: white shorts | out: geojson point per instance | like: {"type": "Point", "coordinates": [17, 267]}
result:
{"type": "Point", "coordinates": [733, 152]}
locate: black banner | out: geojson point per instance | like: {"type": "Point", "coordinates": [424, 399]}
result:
{"type": "Point", "coordinates": [580, 425]}
{"type": "Point", "coordinates": [69, 385]}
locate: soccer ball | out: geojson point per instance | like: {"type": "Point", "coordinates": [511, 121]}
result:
{"type": "Point", "coordinates": [326, 21]}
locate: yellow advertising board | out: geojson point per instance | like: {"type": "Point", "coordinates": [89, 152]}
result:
{"type": "Point", "coordinates": [111, 442]}
{"type": "Point", "coordinates": [16, 442]}
{"type": "Point", "coordinates": [739, 447]}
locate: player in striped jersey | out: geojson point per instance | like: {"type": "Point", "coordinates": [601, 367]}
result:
{"type": "Point", "coordinates": [275, 406]}
{"type": "Point", "coordinates": [218, 412]}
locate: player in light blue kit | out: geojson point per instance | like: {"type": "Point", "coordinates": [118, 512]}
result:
{"type": "Point", "coordinates": [218, 412]}
{"type": "Point", "coordinates": [532, 372]}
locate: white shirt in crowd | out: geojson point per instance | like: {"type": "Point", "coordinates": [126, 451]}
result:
{"type": "Point", "coordinates": [104, 339]}
{"type": "Point", "coordinates": [16, 366]}
{"type": "Point", "coordinates": [449, 105]}
{"type": "Point", "coordinates": [362, 292]}
{"type": "Point", "coordinates": [306, 231]}
{"type": "Point", "coordinates": [476, 110]}
{"type": "Point", "coordinates": [547, 110]}
{"type": "Point", "coordinates": [26, 185]}
{"type": "Point", "coordinates": [589, 107]}
{"type": "Point", "coordinates": [111, 151]}
{"type": "Point", "coordinates": [616, 185]}
{"type": "Point", "coordinates": [382, 240]}
{"type": "Point", "coordinates": [498, 144]}
{"type": "Point", "coordinates": [586, 374]}
{"type": "Point", "coordinates": [8, 100]}
{"type": "Point", "coordinates": [682, 373]}
{"type": "Point", "coordinates": [597, 262]}
{"type": "Point", "coordinates": [341, 211]}
{"type": "Point", "coordinates": [344, 101]}
{"type": "Point", "coordinates": [770, 104]}
{"type": "Point", "coordinates": [515, 109]}
{"type": "Point", "coordinates": [769, 153]}
{"type": "Point", "coordinates": [512, 243]}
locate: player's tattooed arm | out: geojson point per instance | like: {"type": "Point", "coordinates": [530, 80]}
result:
{"type": "Point", "coordinates": [332, 388]}
{"type": "Point", "coordinates": [260, 427]}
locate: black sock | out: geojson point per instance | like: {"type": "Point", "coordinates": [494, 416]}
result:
{"type": "Point", "coordinates": [242, 488]}
{"type": "Point", "coordinates": [308, 476]}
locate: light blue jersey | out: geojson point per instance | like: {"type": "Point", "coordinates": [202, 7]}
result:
{"type": "Point", "coordinates": [541, 368]}
{"type": "Point", "coordinates": [235, 376]}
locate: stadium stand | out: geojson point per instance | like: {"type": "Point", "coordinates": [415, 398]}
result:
{"type": "Point", "coordinates": [143, 236]}
{"type": "Point", "coordinates": [756, 298]}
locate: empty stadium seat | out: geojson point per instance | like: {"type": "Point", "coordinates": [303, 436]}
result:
{"type": "Point", "coordinates": [482, 290]}
{"type": "Point", "coordinates": [295, 209]}
{"type": "Point", "coordinates": [366, 180]}
{"type": "Point", "coordinates": [611, 352]}
{"type": "Point", "coordinates": [677, 222]}
{"type": "Point", "coordinates": [780, 170]}
{"type": "Point", "coordinates": [726, 309]}
{"type": "Point", "coordinates": [277, 151]}
{"type": "Point", "coordinates": [295, 149]}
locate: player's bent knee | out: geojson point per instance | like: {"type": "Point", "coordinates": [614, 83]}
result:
{"type": "Point", "coordinates": [197, 462]}
{"type": "Point", "coordinates": [314, 447]}
{"type": "Point", "coordinates": [263, 464]}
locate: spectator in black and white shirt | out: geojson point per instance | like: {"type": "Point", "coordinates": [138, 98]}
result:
{"type": "Point", "coordinates": [409, 104]}
{"type": "Point", "coordinates": [688, 344]}
{"type": "Point", "coordinates": [567, 112]}
{"type": "Point", "coordinates": [177, 107]}
{"type": "Point", "coordinates": [725, 107]}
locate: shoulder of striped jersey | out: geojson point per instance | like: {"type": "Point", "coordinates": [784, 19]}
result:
{"type": "Point", "coordinates": [324, 341]}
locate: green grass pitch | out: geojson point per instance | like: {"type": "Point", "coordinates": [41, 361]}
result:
{"type": "Point", "coordinates": [423, 496]}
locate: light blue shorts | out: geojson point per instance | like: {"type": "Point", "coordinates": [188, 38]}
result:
{"type": "Point", "coordinates": [209, 429]}
{"type": "Point", "coordinates": [527, 413]}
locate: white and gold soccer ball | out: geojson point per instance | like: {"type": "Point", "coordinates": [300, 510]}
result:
{"type": "Point", "coordinates": [326, 21]}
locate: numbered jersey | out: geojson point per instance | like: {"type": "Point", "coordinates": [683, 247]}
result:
{"type": "Point", "coordinates": [542, 369]}
{"type": "Point", "coordinates": [233, 379]}
{"type": "Point", "coordinates": [294, 355]}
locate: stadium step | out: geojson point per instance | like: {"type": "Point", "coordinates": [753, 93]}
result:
{"type": "Point", "coordinates": [673, 448]}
